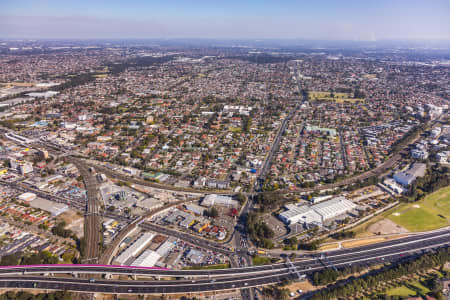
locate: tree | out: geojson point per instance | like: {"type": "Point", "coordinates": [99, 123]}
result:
{"type": "Point", "coordinates": [241, 198]}
{"type": "Point", "coordinates": [212, 212]}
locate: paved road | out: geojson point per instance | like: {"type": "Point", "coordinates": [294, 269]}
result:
{"type": "Point", "coordinates": [26, 188]}
{"type": "Point", "coordinates": [197, 241]}
{"type": "Point", "coordinates": [274, 149]}
{"type": "Point", "coordinates": [123, 177]}
{"type": "Point", "coordinates": [236, 278]}
{"type": "Point", "coordinates": [400, 248]}
{"type": "Point", "coordinates": [111, 249]}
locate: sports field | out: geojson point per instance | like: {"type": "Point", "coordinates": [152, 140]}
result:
{"type": "Point", "coordinates": [430, 213]}
{"type": "Point", "coordinates": [338, 97]}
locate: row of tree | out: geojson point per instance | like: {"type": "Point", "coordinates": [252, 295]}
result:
{"type": "Point", "coordinates": [59, 295]}
{"type": "Point", "coordinates": [348, 287]}
{"type": "Point", "coordinates": [343, 235]}
{"type": "Point", "coordinates": [43, 257]}
{"type": "Point", "coordinates": [436, 177]}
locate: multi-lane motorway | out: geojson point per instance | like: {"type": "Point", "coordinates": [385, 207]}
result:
{"type": "Point", "coordinates": [214, 280]}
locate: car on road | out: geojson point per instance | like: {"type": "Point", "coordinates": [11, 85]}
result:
{"type": "Point", "coordinates": [92, 280]}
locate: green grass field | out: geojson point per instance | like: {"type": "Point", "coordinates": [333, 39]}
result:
{"type": "Point", "coordinates": [430, 213]}
{"type": "Point", "coordinates": [409, 289]}
{"type": "Point", "coordinates": [260, 260]}
{"type": "Point", "coordinates": [401, 291]}
{"type": "Point", "coordinates": [338, 97]}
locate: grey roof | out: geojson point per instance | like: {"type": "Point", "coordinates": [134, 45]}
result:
{"type": "Point", "coordinates": [333, 206]}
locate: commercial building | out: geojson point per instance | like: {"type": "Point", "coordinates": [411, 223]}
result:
{"type": "Point", "coordinates": [43, 154]}
{"type": "Point", "coordinates": [315, 200]}
{"type": "Point", "coordinates": [134, 249]}
{"type": "Point", "coordinates": [195, 256]}
{"type": "Point", "coordinates": [318, 213]}
{"type": "Point", "coordinates": [196, 209]}
{"type": "Point", "coordinates": [146, 259]}
{"type": "Point", "coordinates": [27, 197]}
{"type": "Point", "coordinates": [23, 167]}
{"type": "Point", "coordinates": [214, 199]}
{"type": "Point", "coordinates": [52, 207]}
{"type": "Point", "coordinates": [419, 154]}
{"type": "Point", "coordinates": [149, 203]}
{"type": "Point", "coordinates": [166, 247]}
{"type": "Point", "coordinates": [407, 177]}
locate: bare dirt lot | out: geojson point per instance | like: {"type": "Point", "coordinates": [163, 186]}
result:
{"type": "Point", "coordinates": [305, 286]}
{"type": "Point", "coordinates": [386, 226]}
{"type": "Point", "coordinates": [74, 222]}
{"type": "Point", "coordinates": [277, 226]}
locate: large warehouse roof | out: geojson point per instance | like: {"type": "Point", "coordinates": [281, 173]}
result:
{"type": "Point", "coordinates": [293, 210]}
{"type": "Point", "coordinates": [50, 206]}
{"type": "Point", "coordinates": [330, 208]}
{"type": "Point", "coordinates": [147, 259]}
{"type": "Point", "coordinates": [317, 213]}
{"type": "Point", "coordinates": [135, 248]}
{"type": "Point", "coordinates": [214, 199]}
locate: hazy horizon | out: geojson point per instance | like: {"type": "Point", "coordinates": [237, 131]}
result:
{"type": "Point", "coordinates": [137, 19]}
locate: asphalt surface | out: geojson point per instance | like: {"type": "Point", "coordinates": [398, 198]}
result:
{"type": "Point", "coordinates": [386, 252]}
{"type": "Point", "coordinates": [399, 248]}
{"type": "Point", "coordinates": [123, 177]}
{"type": "Point", "coordinates": [79, 205]}
{"type": "Point", "coordinates": [110, 250]}
{"type": "Point", "coordinates": [188, 238]}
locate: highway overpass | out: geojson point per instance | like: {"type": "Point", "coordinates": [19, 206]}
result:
{"type": "Point", "coordinates": [214, 280]}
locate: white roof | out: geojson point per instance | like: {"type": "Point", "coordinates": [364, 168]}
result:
{"type": "Point", "coordinates": [149, 203]}
{"type": "Point", "coordinates": [50, 206]}
{"type": "Point", "coordinates": [146, 259]}
{"type": "Point", "coordinates": [318, 212]}
{"type": "Point", "coordinates": [293, 210]}
{"type": "Point", "coordinates": [135, 248]}
{"type": "Point", "coordinates": [164, 249]}
{"type": "Point", "coordinates": [212, 199]}
{"type": "Point", "coordinates": [333, 207]}
{"type": "Point", "coordinates": [27, 196]}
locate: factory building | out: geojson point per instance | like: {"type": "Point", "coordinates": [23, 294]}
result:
{"type": "Point", "coordinates": [49, 206]}
{"type": "Point", "coordinates": [166, 247]}
{"type": "Point", "coordinates": [317, 213]}
{"type": "Point", "coordinates": [214, 199]}
{"type": "Point", "coordinates": [134, 249]}
{"type": "Point", "coordinates": [27, 197]}
{"type": "Point", "coordinates": [146, 259]}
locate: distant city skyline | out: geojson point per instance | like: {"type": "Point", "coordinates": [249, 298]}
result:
{"type": "Point", "coordinates": [325, 19]}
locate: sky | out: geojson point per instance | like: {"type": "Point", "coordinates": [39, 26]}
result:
{"type": "Point", "coordinates": [228, 19]}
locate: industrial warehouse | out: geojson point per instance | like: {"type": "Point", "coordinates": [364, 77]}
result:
{"type": "Point", "coordinates": [318, 213]}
